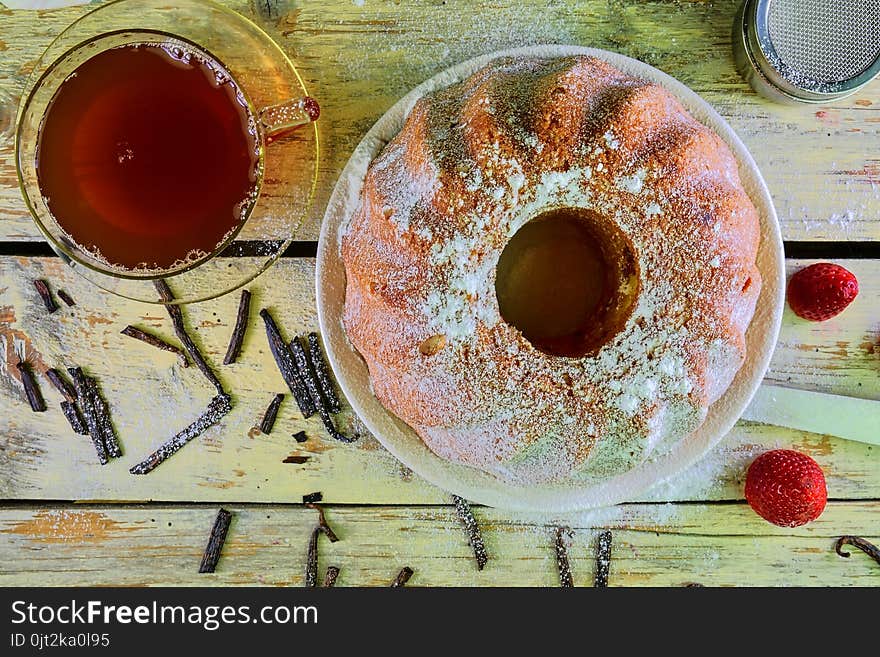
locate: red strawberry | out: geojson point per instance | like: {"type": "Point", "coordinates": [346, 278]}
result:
{"type": "Point", "coordinates": [821, 291]}
{"type": "Point", "coordinates": [786, 488]}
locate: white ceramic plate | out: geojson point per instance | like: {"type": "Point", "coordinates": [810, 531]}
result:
{"type": "Point", "coordinates": [353, 377]}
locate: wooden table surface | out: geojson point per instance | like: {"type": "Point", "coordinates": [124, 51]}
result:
{"type": "Point", "coordinates": [65, 520]}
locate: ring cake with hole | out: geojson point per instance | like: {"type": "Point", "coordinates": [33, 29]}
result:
{"type": "Point", "coordinates": [551, 270]}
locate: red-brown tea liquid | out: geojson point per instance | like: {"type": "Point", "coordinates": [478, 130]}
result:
{"type": "Point", "coordinates": [148, 155]}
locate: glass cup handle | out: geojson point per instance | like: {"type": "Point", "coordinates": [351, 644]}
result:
{"type": "Point", "coordinates": [278, 120]}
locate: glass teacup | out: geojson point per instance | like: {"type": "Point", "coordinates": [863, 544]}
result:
{"type": "Point", "coordinates": [264, 86]}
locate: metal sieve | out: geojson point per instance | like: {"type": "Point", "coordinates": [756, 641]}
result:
{"type": "Point", "coordinates": [810, 51]}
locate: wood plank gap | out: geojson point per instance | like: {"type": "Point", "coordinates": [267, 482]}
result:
{"type": "Point", "coordinates": [308, 249]}
{"type": "Point", "coordinates": [238, 249]}
{"type": "Point", "coordinates": [27, 249]}
{"type": "Point", "coordinates": [833, 250]}
{"type": "Point", "coordinates": [7, 504]}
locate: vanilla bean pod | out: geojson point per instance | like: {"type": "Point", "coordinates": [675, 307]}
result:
{"type": "Point", "coordinates": [312, 558]}
{"type": "Point", "coordinates": [176, 315]}
{"type": "Point", "coordinates": [215, 542]}
{"type": "Point", "coordinates": [402, 577]}
{"type": "Point", "coordinates": [312, 555]}
{"type": "Point", "coordinates": [603, 558]}
{"type": "Point", "coordinates": [271, 413]}
{"type": "Point", "coordinates": [236, 340]}
{"type": "Point", "coordinates": [102, 413]}
{"type": "Point", "coordinates": [562, 564]}
{"type": "Point", "coordinates": [857, 541]}
{"type": "Point", "coordinates": [31, 389]}
{"type": "Point", "coordinates": [46, 296]}
{"type": "Point", "coordinates": [319, 365]}
{"type": "Point", "coordinates": [475, 538]}
{"type": "Point", "coordinates": [74, 418]}
{"type": "Point", "coordinates": [155, 341]}
{"type": "Point", "coordinates": [287, 365]}
{"type": "Point", "coordinates": [330, 577]}
{"type": "Point", "coordinates": [219, 406]}
{"type": "Point", "coordinates": [90, 414]}
{"type": "Point", "coordinates": [62, 385]}
{"type": "Point", "coordinates": [66, 298]}
{"type": "Point", "coordinates": [311, 383]}
{"type": "Point", "coordinates": [322, 522]}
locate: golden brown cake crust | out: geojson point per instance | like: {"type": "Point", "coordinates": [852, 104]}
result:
{"type": "Point", "coordinates": [472, 164]}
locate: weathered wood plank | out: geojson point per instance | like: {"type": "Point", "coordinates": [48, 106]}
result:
{"type": "Point", "coordinates": [151, 398]}
{"type": "Point", "coordinates": [841, 355]}
{"type": "Point", "coordinates": [653, 545]}
{"type": "Point", "coordinates": [43, 458]}
{"type": "Point", "coordinates": [820, 162]}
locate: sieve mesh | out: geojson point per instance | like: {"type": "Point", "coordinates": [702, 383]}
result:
{"type": "Point", "coordinates": [826, 40]}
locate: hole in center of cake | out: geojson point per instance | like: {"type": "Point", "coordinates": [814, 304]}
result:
{"type": "Point", "coordinates": [568, 280]}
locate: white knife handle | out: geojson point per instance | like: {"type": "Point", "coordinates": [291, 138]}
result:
{"type": "Point", "coordinates": [817, 412]}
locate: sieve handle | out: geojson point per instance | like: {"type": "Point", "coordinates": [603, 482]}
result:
{"type": "Point", "coordinates": [818, 412]}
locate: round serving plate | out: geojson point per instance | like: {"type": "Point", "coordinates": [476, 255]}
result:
{"type": "Point", "coordinates": [475, 485]}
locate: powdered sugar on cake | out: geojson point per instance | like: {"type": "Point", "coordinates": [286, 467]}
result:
{"type": "Point", "coordinates": [471, 166]}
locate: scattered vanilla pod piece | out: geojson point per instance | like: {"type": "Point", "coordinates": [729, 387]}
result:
{"type": "Point", "coordinates": [322, 522]}
{"type": "Point", "coordinates": [475, 538]}
{"type": "Point", "coordinates": [97, 415]}
{"type": "Point", "coordinates": [216, 541]}
{"type": "Point", "coordinates": [102, 413]}
{"type": "Point", "coordinates": [305, 373]}
{"type": "Point", "coordinates": [236, 340]}
{"type": "Point", "coordinates": [74, 418]}
{"type": "Point", "coordinates": [331, 429]}
{"type": "Point", "coordinates": [300, 436]}
{"type": "Point", "coordinates": [219, 406]}
{"type": "Point", "coordinates": [66, 298]}
{"type": "Point", "coordinates": [865, 546]}
{"type": "Point", "coordinates": [90, 413]}
{"type": "Point", "coordinates": [312, 556]}
{"type": "Point", "coordinates": [271, 413]}
{"type": "Point", "coordinates": [155, 341]}
{"type": "Point", "coordinates": [31, 389]}
{"type": "Point", "coordinates": [62, 385]}
{"type": "Point", "coordinates": [287, 365]}
{"type": "Point", "coordinates": [176, 315]}
{"type": "Point", "coordinates": [402, 577]}
{"type": "Point", "coordinates": [562, 535]}
{"type": "Point", "coordinates": [330, 577]}
{"type": "Point", "coordinates": [319, 365]}
{"type": "Point", "coordinates": [46, 295]}
{"type": "Point", "coordinates": [603, 558]}
{"type": "Point", "coordinates": [312, 498]}
{"type": "Point", "coordinates": [311, 383]}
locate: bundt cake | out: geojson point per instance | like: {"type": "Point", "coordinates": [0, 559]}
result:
{"type": "Point", "coordinates": [630, 202]}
